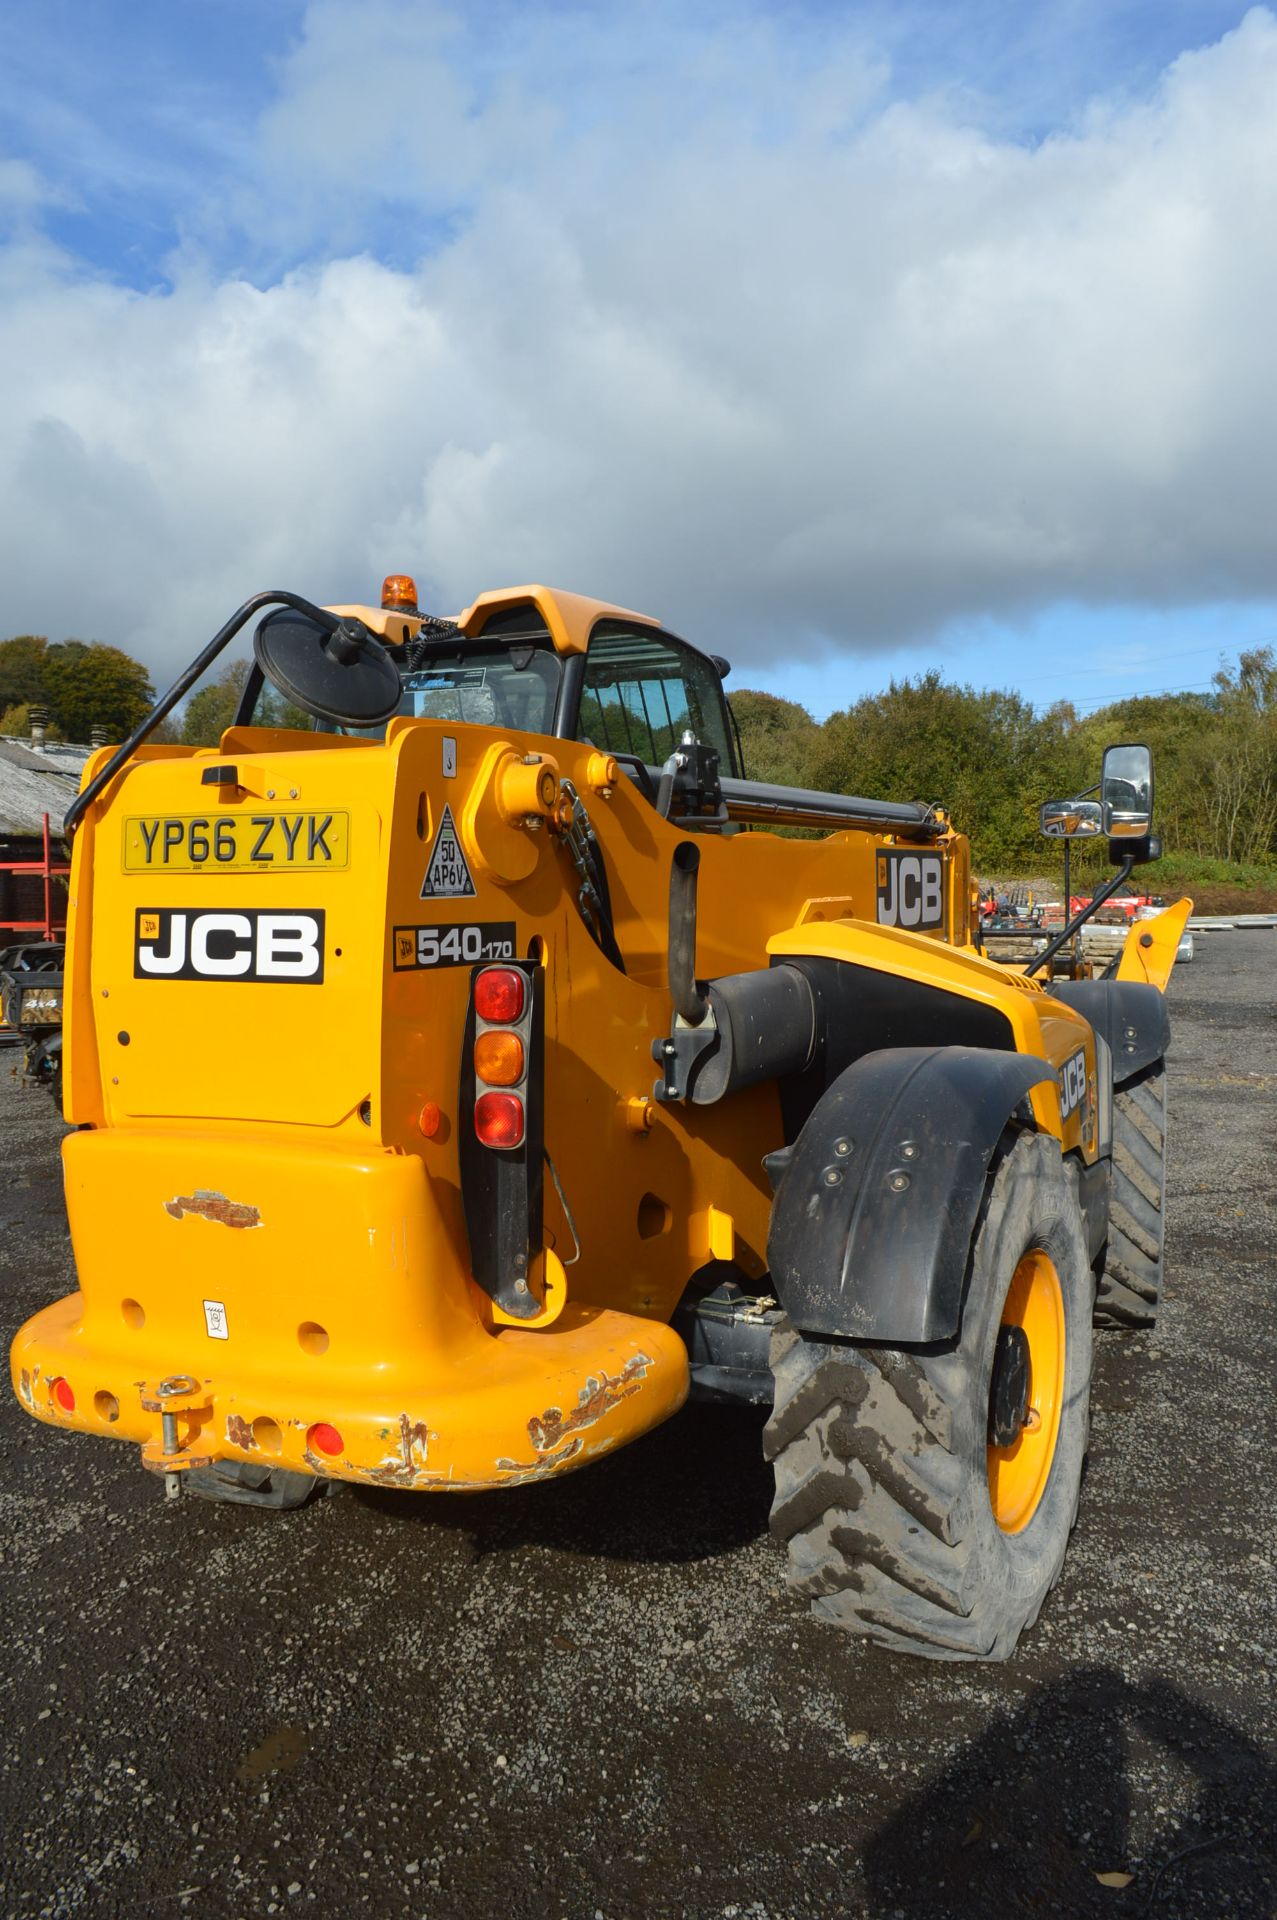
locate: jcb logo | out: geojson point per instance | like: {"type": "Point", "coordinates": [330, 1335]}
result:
{"type": "Point", "coordinates": [172, 944]}
{"type": "Point", "coordinates": [910, 890]}
{"type": "Point", "coordinates": [1072, 1084]}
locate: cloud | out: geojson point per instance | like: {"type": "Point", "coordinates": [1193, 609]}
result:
{"type": "Point", "coordinates": [715, 321]}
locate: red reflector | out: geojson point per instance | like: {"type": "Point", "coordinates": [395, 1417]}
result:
{"type": "Point", "coordinates": [498, 1119]}
{"type": "Point", "coordinates": [326, 1439]}
{"type": "Point", "coordinates": [63, 1395]}
{"type": "Point", "coordinates": [499, 994]}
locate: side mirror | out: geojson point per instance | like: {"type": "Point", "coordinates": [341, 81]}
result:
{"type": "Point", "coordinates": [1071, 819]}
{"type": "Point", "coordinates": [1126, 792]}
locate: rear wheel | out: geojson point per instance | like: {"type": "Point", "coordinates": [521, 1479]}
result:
{"type": "Point", "coordinates": [1130, 1278]}
{"type": "Point", "coordinates": [926, 1497]}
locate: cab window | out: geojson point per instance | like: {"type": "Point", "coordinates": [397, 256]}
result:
{"type": "Point", "coordinates": [506, 677]}
{"type": "Point", "coordinates": [643, 690]}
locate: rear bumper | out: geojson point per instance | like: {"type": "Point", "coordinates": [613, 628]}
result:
{"type": "Point", "coordinates": [304, 1289]}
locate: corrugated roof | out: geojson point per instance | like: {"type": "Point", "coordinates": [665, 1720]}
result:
{"type": "Point", "coordinates": [33, 784]}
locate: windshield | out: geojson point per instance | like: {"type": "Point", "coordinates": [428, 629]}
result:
{"type": "Point", "coordinates": [512, 686]}
{"type": "Point", "coordinates": [505, 687]}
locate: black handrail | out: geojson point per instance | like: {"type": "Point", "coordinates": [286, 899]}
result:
{"type": "Point", "coordinates": [183, 684]}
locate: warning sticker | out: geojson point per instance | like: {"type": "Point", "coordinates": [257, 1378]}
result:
{"type": "Point", "coordinates": [215, 1320]}
{"type": "Point", "coordinates": [447, 875]}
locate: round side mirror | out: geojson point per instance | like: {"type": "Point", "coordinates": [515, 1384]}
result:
{"type": "Point", "coordinates": [340, 673]}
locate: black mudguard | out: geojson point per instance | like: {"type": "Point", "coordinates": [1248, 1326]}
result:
{"type": "Point", "coordinates": [879, 1196]}
{"type": "Point", "coordinates": [1131, 1016]}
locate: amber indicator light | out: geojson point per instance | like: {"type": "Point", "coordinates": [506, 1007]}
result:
{"type": "Point", "coordinates": [499, 1059]}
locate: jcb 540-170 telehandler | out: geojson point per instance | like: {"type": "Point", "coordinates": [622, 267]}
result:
{"type": "Point", "coordinates": [461, 1071]}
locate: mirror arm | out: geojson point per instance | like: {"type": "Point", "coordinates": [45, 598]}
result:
{"type": "Point", "coordinates": [1049, 952]}
{"type": "Point", "coordinates": [182, 685]}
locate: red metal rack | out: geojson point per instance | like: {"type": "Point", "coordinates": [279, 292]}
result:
{"type": "Point", "coordinates": [53, 925]}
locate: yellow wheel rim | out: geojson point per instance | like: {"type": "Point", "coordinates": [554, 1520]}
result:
{"type": "Point", "coordinates": [1019, 1471]}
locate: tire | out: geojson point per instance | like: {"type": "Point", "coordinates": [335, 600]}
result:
{"type": "Point", "coordinates": [884, 1468]}
{"type": "Point", "coordinates": [1130, 1272]}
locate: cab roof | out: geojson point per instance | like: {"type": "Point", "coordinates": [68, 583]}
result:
{"type": "Point", "coordinates": [568, 617]}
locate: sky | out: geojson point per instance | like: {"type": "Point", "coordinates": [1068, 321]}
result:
{"type": "Point", "coordinates": [850, 340]}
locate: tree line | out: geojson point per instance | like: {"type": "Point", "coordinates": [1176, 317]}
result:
{"type": "Point", "coordinates": [991, 758]}
{"type": "Point", "coordinates": [79, 685]}
{"type": "Point", "coordinates": [988, 755]}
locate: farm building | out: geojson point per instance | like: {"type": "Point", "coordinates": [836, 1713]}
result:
{"type": "Point", "coordinates": [38, 781]}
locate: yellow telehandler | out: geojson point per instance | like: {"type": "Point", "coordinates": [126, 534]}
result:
{"type": "Point", "coordinates": [463, 1070]}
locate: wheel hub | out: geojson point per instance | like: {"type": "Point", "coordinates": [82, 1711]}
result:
{"type": "Point", "coordinates": [1026, 1391]}
{"type": "Point", "coordinates": [1009, 1390]}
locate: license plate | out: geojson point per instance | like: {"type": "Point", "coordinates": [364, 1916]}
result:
{"type": "Point", "coordinates": [455, 946]}
{"type": "Point", "coordinates": [235, 842]}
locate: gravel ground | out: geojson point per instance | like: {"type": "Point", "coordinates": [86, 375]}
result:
{"type": "Point", "coordinates": [594, 1699]}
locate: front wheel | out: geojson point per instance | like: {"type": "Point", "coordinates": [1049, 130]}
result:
{"type": "Point", "coordinates": [926, 1496]}
{"type": "Point", "coordinates": [1130, 1275]}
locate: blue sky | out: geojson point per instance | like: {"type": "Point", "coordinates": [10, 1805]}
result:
{"type": "Point", "coordinates": [851, 340]}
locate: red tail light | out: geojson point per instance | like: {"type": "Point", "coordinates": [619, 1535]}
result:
{"type": "Point", "coordinates": [498, 1119]}
{"type": "Point", "coordinates": [499, 995]}
{"type": "Point", "coordinates": [63, 1395]}
{"type": "Point", "coordinates": [326, 1439]}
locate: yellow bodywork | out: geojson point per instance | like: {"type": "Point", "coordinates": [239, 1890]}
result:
{"type": "Point", "coordinates": [1151, 945]}
{"type": "Point", "coordinates": [262, 1229]}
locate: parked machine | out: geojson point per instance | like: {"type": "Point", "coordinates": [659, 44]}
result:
{"type": "Point", "coordinates": [462, 1078]}
{"type": "Point", "coordinates": [31, 1008]}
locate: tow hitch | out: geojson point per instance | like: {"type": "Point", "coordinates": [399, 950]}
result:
{"type": "Point", "coordinates": [182, 1403]}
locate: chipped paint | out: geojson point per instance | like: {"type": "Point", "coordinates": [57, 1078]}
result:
{"type": "Point", "coordinates": [597, 1397]}
{"type": "Point", "coordinates": [207, 1205]}
{"type": "Point", "coordinates": [545, 1465]}
{"type": "Point", "coordinates": [402, 1467]}
{"type": "Point", "coordinates": [25, 1391]}
{"type": "Point", "coordinates": [238, 1431]}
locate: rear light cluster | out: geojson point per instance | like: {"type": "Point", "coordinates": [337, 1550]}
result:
{"type": "Point", "coordinates": [503, 1017]}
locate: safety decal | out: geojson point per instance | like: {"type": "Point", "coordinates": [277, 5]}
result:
{"type": "Point", "coordinates": [215, 1320]}
{"type": "Point", "coordinates": [447, 875]}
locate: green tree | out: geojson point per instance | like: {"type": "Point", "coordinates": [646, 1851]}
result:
{"type": "Point", "coordinates": [87, 685]}
{"type": "Point", "coordinates": [776, 736]}
{"type": "Point", "coordinates": [22, 671]}
{"type": "Point", "coordinates": [979, 754]}
{"type": "Point", "coordinates": [210, 711]}
{"type": "Point", "coordinates": [16, 724]}
{"type": "Point", "coordinates": [1243, 771]}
